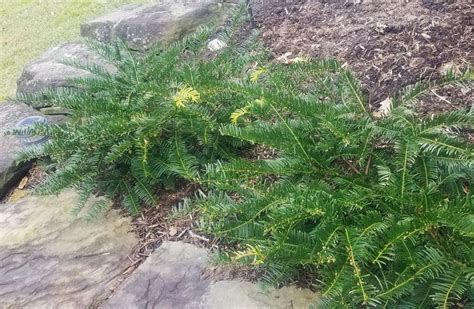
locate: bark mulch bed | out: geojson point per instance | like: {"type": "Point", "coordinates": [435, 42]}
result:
{"type": "Point", "coordinates": [389, 44]}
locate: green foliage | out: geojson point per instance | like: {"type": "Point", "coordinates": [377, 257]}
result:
{"type": "Point", "coordinates": [379, 208]}
{"type": "Point", "coordinates": [150, 123]}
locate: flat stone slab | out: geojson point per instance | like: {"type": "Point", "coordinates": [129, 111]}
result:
{"type": "Point", "coordinates": [142, 25]}
{"type": "Point", "coordinates": [50, 259]}
{"type": "Point", "coordinates": [172, 278]}
{"type": "Point", "coordinates": [48, 71]}
{"type": "Point", "coordinates": [10, 171]}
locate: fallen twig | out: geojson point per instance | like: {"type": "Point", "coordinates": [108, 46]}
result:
{"type": "Point", "coordinates": [194, 235]}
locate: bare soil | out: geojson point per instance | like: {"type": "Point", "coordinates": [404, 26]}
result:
{"type": "Point", "coordinates": [389, 44]}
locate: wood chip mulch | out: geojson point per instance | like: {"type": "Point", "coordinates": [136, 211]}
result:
{"type": "Point", "coordinates": [388, 44]}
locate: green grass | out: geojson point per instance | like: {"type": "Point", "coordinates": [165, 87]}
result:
{"type": "Point", "coordinates": [29, 27]}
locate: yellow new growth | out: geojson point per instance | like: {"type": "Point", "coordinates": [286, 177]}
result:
{"type": "Point", "coordinates": [256, 74]}
{"type": "Point", "coordinates": [234, 117]}
{"type": "Point", "coordinates": [255, 252]}
{"type": "Point", "coordinates": [184, 95]}
{"type": "Point", "coordinates": [260, 102]}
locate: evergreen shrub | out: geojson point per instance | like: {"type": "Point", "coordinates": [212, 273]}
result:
{"type": "Point", "coordinates": [377, 206]}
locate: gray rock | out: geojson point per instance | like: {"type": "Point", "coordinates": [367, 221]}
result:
{"type": "Point", "coordinates": [48, 71]}
{"type": "Point", "coordinates": [10, 170]}
{"type": "Point", "coordinates": [169, 278]}
{"type": "Point", "coordinates": [143, 25]}
{"type": "Point", "coordinates": [50, 259]}
{"type": "Point", "coordinates": [172, 278]}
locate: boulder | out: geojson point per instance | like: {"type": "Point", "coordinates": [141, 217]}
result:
{"type": "Point", "coordinates": [48, 71]}
{"type": "Point", "coordinates": [51, 259]}
{"type": "Point", "coordinates": [172, 277]}
{"type": "Point", "coordinates": [10, 170]}
{"type": "Point", "coordinates": [141, 25]}
{"type": "Point", "coordinates": [169, 278]}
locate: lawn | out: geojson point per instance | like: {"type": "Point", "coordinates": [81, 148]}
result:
{"type": "Point", "coordinates": [29, 27]}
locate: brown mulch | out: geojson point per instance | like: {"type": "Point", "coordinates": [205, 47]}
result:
{"type": "Point", "coordinates": [259, 152]}
{"type": "Point", "coordinates": [389, 44]}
